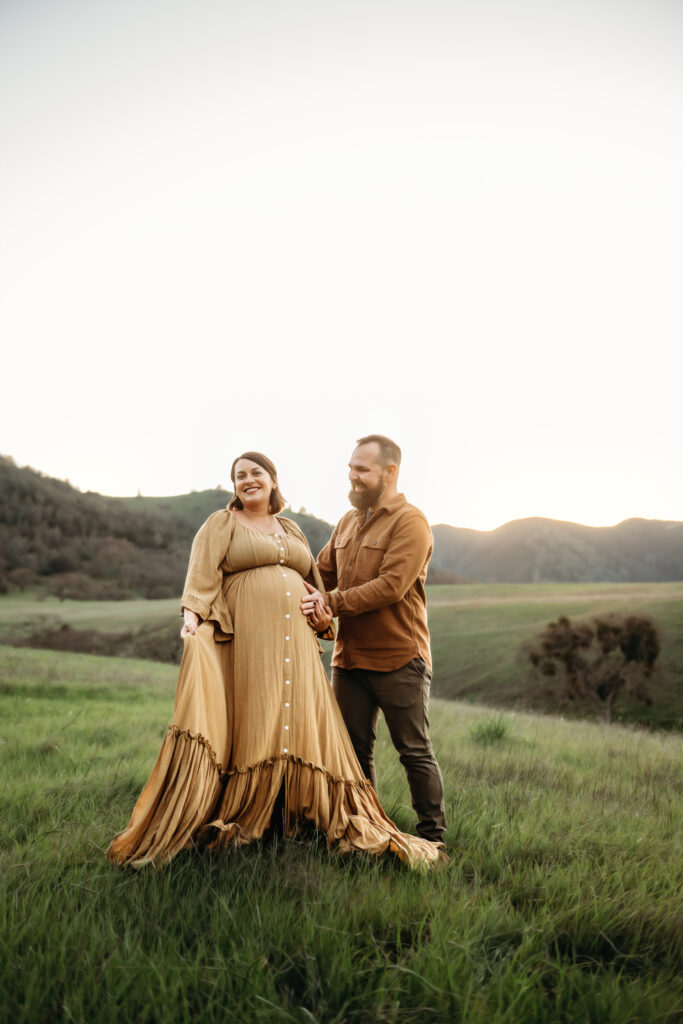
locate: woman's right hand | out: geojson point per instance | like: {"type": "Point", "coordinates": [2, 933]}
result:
{"type": "Point", "coordinates": [191, 623]}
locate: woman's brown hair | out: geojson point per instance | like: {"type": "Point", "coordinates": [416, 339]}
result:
{"type": "Point", "coordinates": [277, 502]}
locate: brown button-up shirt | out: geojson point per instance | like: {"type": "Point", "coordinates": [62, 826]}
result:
{"type": "Point", "coordinates": [379, 568]}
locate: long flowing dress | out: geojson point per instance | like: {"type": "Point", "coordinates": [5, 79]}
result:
{"type": "Point", "coordinates": [255, 716]}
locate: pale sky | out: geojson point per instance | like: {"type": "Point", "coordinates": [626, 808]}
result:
{"type": "Point", "coordinates": [280, 226]}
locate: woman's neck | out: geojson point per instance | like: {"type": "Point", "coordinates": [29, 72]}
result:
{"type": "Point", "coordinates": [259, 514]}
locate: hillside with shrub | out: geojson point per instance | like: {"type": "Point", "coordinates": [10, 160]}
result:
{"type": "Point", "coordinates": [481, 635]}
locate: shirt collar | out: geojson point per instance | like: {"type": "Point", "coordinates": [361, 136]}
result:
{"type": "Point", "coordinates": [384, 506]}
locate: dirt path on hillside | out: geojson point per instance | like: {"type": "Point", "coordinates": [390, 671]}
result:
{"type": "Point", "coordinates": [566, 598]}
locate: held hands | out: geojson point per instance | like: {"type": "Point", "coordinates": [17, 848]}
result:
{"type": "Point", "coordinates": [318, 614]}
{"type": "Point", "coordinates": [191, 623]}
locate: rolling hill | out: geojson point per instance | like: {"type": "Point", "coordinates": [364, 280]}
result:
{"type": "Point", "coordinates": [86, 545]}
{"type": "Point", "coordinates": [92, 547]}
{"type": "Point", "coordinates": [550, 551]}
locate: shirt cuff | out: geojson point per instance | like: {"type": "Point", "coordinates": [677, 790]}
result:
{"type": "Point", "coordinates": [331, 599]}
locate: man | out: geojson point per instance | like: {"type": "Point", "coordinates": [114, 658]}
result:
{"type": "Point", "coordinates": [377, 560]}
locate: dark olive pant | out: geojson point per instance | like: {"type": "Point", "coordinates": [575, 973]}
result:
{"type": "Point", "coordinates": [402, 696]}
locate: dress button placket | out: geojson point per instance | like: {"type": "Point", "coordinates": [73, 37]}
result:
{"type": "Point", "coordinates": [288, 682]}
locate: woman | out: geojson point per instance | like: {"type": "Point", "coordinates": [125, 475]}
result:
{"type": "Point", "coordinates": [254, 713]}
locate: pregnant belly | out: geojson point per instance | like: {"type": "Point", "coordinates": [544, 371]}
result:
{"type": "Point", "coordinates": [268, 591]}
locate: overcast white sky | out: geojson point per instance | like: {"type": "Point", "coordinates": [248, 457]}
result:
{"type": "Point", "coordinates": [283, 225]}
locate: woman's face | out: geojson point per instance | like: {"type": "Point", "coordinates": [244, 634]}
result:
{"type": "Point", "coordinates": [253, 485]}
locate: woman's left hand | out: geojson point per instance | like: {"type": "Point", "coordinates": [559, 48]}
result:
{"type": "Point", "coordinates": [318, 614]}
{"type": "Point", "coordinates": [319, 619]}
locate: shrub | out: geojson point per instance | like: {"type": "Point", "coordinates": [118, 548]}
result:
{"type": "Point", "coordinates": [596, 661]}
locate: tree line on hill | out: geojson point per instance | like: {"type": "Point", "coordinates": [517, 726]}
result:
{"type": "Point", "coordinates": [89, 547]}
{"type": "Point", "coordinates": [83, 546]}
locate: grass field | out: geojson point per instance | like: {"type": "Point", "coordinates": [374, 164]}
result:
{"type": "Point", "coordinates": [19, 609]}
{"type": "Point", "coordinates": [561, 902]}
{"type": "Point", "coordinates": [477, 631]}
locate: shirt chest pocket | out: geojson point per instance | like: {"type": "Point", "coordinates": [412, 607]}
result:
{"type": "Point", "coordinates": [342, 555]}
{"type": "Point", "coordinates": [371, 554]}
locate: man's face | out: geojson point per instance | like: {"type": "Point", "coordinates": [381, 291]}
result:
{"type": "Point", "coordinates": [367, 476]}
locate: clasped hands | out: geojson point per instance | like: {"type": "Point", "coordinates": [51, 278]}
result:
{"type": "Point", "coordinates": [318, 614]}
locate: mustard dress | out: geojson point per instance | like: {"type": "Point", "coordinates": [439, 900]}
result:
{"type": "Point", "coordinates": [255, 716]}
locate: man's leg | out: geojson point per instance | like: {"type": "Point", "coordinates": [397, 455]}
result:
{"type": "Point", "coordinates": [403, 697]}
{"type": "Point", "coordinates": [360, 713]}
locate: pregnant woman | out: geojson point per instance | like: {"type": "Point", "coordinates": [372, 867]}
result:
{"type": "Point", "coordinates": [255, 718]}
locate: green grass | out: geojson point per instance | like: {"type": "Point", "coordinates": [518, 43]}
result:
{"type": "Point", "coordinates": [106, 616]}
{"type": "Point", "coordinates": [561, 902]}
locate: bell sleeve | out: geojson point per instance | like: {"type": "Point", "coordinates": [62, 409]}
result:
{"type": "Point", "coordinates": [202, 592]}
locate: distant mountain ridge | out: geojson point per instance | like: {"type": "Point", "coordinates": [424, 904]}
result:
{"type": "Point", "coordinates": [90, 546]}
{"type": "Point", "coordinates": [552, 551]}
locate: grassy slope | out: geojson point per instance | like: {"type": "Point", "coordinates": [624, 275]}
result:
{"type": "Point", "coordinates": [21, 609]}
{"type": "Point", "coordinates": [562, 901]}
{"type": "Point", "coordinates": [476, 632]}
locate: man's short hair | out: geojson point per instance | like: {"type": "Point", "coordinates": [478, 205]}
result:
{"type": "Point", "coordinates": [389, 451]}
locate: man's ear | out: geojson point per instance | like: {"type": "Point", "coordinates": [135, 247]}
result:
{"type": "Point", "coordinates": [391, 472]}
